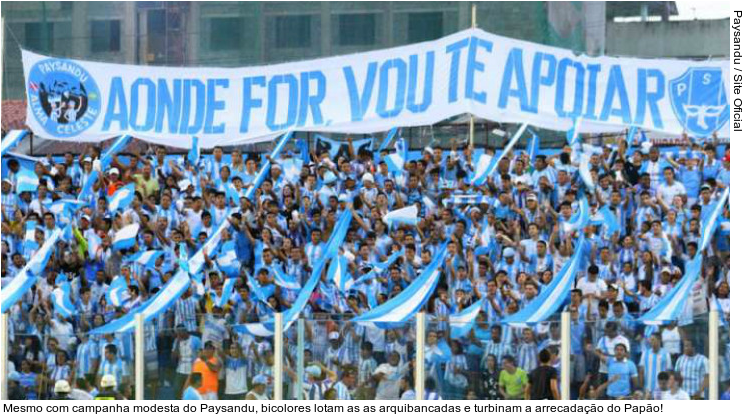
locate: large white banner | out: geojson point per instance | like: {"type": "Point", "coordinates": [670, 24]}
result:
{"type": "Point", "coordinates": [489, 76]}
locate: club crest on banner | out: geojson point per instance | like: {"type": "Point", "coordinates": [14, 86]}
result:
{"type": "Point", "coordinates": [699, 100]}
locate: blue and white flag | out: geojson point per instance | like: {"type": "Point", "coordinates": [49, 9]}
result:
{"type": "Point", "coordinates": [337, 272]}
{"type": "Point", "coordinates": [284, 280]}
{"type": "Point", "coordinates": [61, 300]}
{"type": "Point", "coordinates": [407, 216]}
{"type": "Point", "coordinates": [227, 261]}
{"type": "Point", "coordinates": [711, 222]}
{"type": "Point", "coordinates": [396, 161]}
{"type": "Point", "coordinates": [384, 266]}
{"type": "Point", "coordinates": [194, 152]}
{"type": "Point", "coordinates": [26, 181]}
{"type": "Point", "coordinates": [196, 263]}
{"type": "Point", "coordinates": [572, 135]}
{"type": "Point", "coordinates": [533, 149]}
{"type": "Point", "coordinates": [630, 137]}
{"type": "Point", "coordinates": [403, 306]}
{"type": "Point", "coordinates": [122, 198]}
{"type": "Point", "coordinates": [87, 189]}
{"type": "Point", "coordinates": [29, 236]}
{"type": "Point", "coordinates": [257, 329]}
{"type": "Point", "coordinates": [304, 147]}
{"type": "Point", "coordinates": [388, 139]}
{"type": "Point", "coordinates": [669, 308]}
{"type": "Point", "coordinates": [462, 322]}
{"type": "Point", "coordinates": [160, 302]}
{"type": "Point", "coordinates": [467, 199]}
{"type": "Point", "coordinates": [604, 216]}
{"type": "Point", "coordinates": [12, 139]}
{"type": "Point", "coordinates": [114, 149]}
{"type": "Point", "coordinates": [579, 219]}
{"type": "Point", "coordinates": [126, 237]}
{"type": "Point", "coordinates": [257, 290]}
{"type": "Point", "coordinates": [117, 293]}
{"type": "Point", "coordinates": [145, 258]}
{"type": "Point", "coordinates": [94, 243]}
{"type": "Point", "coordinates": [65, 207]}
{"type": "Point", "coordinates": [487, 167]}
{"type": "Point", "coordinates": [28, 275]}
{"type": "Point", "coordinates": [291, 169]}
{"type": "Point", "coordinates": [553, 295]}
{"type": "Point", "coordinates": [585, 172]}
{"type": "Point", "coordinates": [227, 290]}
{"type": "Point", "coordinates": [266, 167]}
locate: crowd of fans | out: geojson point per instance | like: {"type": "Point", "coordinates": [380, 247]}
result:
{"type": "Point", "coordinates": [659, 197]}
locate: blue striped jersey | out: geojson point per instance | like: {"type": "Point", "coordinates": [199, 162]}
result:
{"type": "Point", "coordinates": [115, 368]}
{"type": "Point", "coordinates": [654, 363]}
{"type": "Point", "coordinates": [86, 353]}
{"type": "Point", "coordinates": [693, 370]}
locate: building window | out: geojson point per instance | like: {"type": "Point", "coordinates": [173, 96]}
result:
{"type": "Point", "coordinates": [36, 40]}
{"type": "Point", "coordinates": [356, 29]}
{"type": "Point", "coordinates": [105, 36]}
{"type": "Point", "coordinates": [293, 31]}
{"type": "Point", "coordinates": [425, 26]}
{"type": "Point", "coordinates": [225, 33]}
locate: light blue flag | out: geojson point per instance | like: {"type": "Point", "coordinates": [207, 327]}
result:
{"type": "Point", "coordinates": [257, 329]}
{"type": "Point", "coordinates": [462, 322]}
{"type": "Point", "coordinates": [337, 272]}
{"type": "Point", "coordinates": [87, 189]}
{"type": "Point", "coordinates": [385, 143]}
{"type": "Point", "coordinates": [488, 166]}
{"type": "Point", "coordinates": [94, 243]}
{"type": "Point", "coordinates": [584, 171]}
{"type": "Point", "coordinates": [29, 236]}
{"type": "Point", "coordinates": [28, 275]}
{"type": "Point", "coordinates": [257, 290]}
{"type": "Point", "coordinates": [396, 161]}
{"type": "Point", "coordinates": [264, 171]}
{"type": "Point", "coordinates": [121, 199]}
{"type": "Point", "coordinates": [553, 295]}
{"type": "Point", "coordinates": [117, 293]}
{"type": "Point", "coordinates": [145, 258]}
{"type": "Point", "coordinates": [61, 300]}
{"type": "Point", "coordinates": [604, 216]}
{"type": "Point", "coordinates": [26, 181]}
{"type": "Point", "coordinates": [534, 148]}
{"type": "Point", "coordinates": [11, 139]}
{"type": "Point", "coordinates": [579, 219]}
{"type": "Point", "coordinates": [227, 290]}
{"type": "Point", "coordinates": [304, 148]}
{"type": "Point", "coordinates": [64, 208]}
{"type": "Point", "coordinates": [284, 280]}
{"type": "Point", "coordinates": [572, 135]}
{"type": "Point", "coordinates": [194, 152]}
{"type": "Point", "coordinates": [126, 237]}
{"type": "Point", "coordinates": [406, 216]}
{"type": "Point", "coordinates": [712, 221]}
{"type": "Point", "coordinates": [402, 307]}
{"type": "Point", "coordinates": [384, 266]}
{"type": "Point", "coordinates": [227, 261]}
{"type": "Point", "coordinates": [291, 169]}
{"type": "Point", "coordinates": [669, 308]}
{"type": "Point", "coordinates": [114, 149]}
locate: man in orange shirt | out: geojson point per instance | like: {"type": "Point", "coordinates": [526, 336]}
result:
{"type": "Point", "coordinates": [209, 366]}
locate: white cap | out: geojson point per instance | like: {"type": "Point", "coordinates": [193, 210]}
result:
{"type": "Point", "coordinates": [114, 171]}
{"type": "Point", "coordinates": [61, 386]}
{"type": "Point", "coordinates": [429, 150]}
{"type": "Point", "coordinates": [333, 336]}
{"type": "Point", "coordinates": [184, 184]}
{"type": "Point", "coordinates": [368, 177]}
{"type": "Point", "coordinates": [108, 381]}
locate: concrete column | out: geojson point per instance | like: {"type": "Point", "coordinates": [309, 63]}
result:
{"type": "Point", "coordinates": [713, 357]}
{"type": "Point", "coordinates": [278, 355]}
{"type": "Point", "coordinates": [565, 355]}
{"type": "Point", "coordinates": [300, 357]}
{"type": "Point", "coordinates": [325, 28]}
{"type": "Point", "coordinates": [139, 357]}
{"type": "Point", "coordinates": [420, 373]}
{"type": "Point", "coordinates": [129, 33]}
{"type": "Point", "coordinates": [80, 44]}
{"type": "Point", "coordinates": [4, 346]}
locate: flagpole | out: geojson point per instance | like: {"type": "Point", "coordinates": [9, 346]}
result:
{"type": "Point", "coordinates": [473, 13]}
{"type": "Point", "coordinates": [139, 357]}
{"type": "Point", "coordinates": [4, 355]}
{"type": "Point", "coordinates": [419, 372]}
{"type": "Point", "coordinates": [565, 355]}
{"type": "Point", "coordinates": [279, 356]}
{"type": "Point", "coordinates": [713, 353]}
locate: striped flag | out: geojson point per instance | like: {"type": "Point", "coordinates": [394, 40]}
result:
{"type": "Point", "coordinates": [396, 161]}
{"type": "Point", "coordinates": [534, 147]}
{"type": "Point", "coordinates": [407, 216]}
{"type": "Point", "coordinates": [383, 267]}
{"type": "Point", "coordinates": [572, 135]}
{"type": "Point", "coordinates": [604, 216]}
{"type": "Point", "coordinates": [121, 198]}
{"type": "Point", "coordinates": [337, 272]}
{"type": "Point", "coordinates": [227, 290]}
{"type": "Point", "coordinates": [284, 280]}
{"type": "Point", "coordinates": [26, 181]}
{"type": "Point", "coordinates": [61, 300]}
{"type": "Point", "coordinates": [118, 292]}
{"type": "Point", "coordinates": [12, 139]}
{"type": "Point", "coordinates": [195, 152]}
{"type": "Point", "coordinates": [114, 149]}
{"type": "Point", "coordinates": [712, 221]}
{"type": "Point", "coordinates": [126, 237]}
{"type": "Point", "coordinates": [145, 258]}
{"type": "Point", "coordinates": [579, 220]}
{"type": "Point", "coordinates": [462, 322]}
{"type": "Point", "coordinates": [256, 289]}
{"type": "Point", "coordinates": [488, 167]}
{"type": "Point", "coordinates": [227, 261]}
{"type": "Point", "coordinates": [29, 237]}
{"type": "Point", "coordinates": [669, 308]}
{"type": "Point", "coordinates": [87, 189]}
{"type": "Point", "coordinates": [291, 169]}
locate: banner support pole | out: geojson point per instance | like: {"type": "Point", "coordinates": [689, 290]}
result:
{"type": "Point", "coordinates": [713, 356]}
{"type": "Point", "coordinates": [139, 356]}
{"type": "Point", "coordinates": [278, 355]}
{"type": "Point", "coordinates": [419, 372]}
{"type": "Point", "coordinates": [4, 357]}
{"type": "Point", "coordinates": [565, 356]}
{"type": "Point", "coordinates": [300, 357]}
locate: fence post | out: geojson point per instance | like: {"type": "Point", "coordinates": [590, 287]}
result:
{"type": "Point", "coordinates": [300, 358]}
{"type": "Point", "coordinates": [278, 355]}
{"type": "Point", "coordinates": [420, 339]}
{"type": "Point", "coordinates": [139, 357]}
{"type": "Point", "coordinates": [4, 355]}
{"type": "Point", "coordinates": [565, 355]}
{"type": "Point", "coordinates": [713, 354]}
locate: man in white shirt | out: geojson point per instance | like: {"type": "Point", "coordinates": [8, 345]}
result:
{"type": "Point", "coordinates": [669, 188]}
{"type": "Point", "coordinates": [675, 392]}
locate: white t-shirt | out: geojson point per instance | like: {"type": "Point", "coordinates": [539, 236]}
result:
{"type": "Point", "coordinates": [667, 192]}
{"type": "Point", "coordinates": [681, 395]}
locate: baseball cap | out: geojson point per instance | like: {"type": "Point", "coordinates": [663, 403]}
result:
{"type": "Point", "coordinates": [313, 371]}
{"type": "Point", "coordinates": [368, 177]}
{"type": "Point", "coordinates": [531, 196]}
{"type": "Point", "coordinates": [114, 171]}
{"type": "Point", "coordinates": [509, 252]}
{"type": "Point", "coordinates": [334, 336]}
{"type": "Point", "coordinates": [259, 380]}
